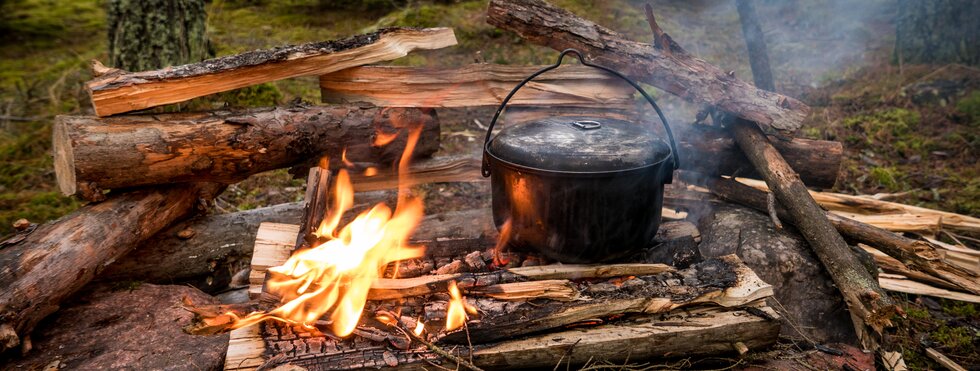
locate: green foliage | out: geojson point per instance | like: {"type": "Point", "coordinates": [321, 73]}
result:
{"type": "Point", "coordinates": [970, 107]}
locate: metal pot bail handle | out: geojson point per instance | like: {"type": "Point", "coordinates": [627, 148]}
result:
{"type": "Point", "coordinates": [503, 104]}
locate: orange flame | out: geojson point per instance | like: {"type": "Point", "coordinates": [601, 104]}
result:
{"type": "Point", "coordinates": [419, 327]}
{"type": "Point", "coordinates": [334, 277]}
{"type": "Point", "coordinates": [499, 259]}
{"type": "Point", "coordinates": [456, 313]}
{"type": "Point", "coordinates": [371, 171]}
{"type": "Point", "coordinates": [343, 158]}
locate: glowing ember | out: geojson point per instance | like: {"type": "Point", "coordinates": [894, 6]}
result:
{"type": "Point", "coordinates": [456, 313]}
{"type": "Point", "coordinates": [371, 171]}
{"type": "Point", "coordinates": [334, 277]}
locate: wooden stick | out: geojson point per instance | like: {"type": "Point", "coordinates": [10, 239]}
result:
{"type": "Point", "coordinates": [41, 268]}
{"type": "Point", "coordinates": [919, 255]}
{"type": "Point", "coordinates": [124, 92]}
{"type": "Point", "coordinates": [899, 283]}
{"type": "Point", "coordinates": [475, 85]}
{"type": "Point", "coordinates": [676, 72]}
{"type": "Point", "coordinates": [869, 305]}
{"type": "Point", "coordinates": [92, 154]}
{"type": "Point", "coordinates": [943, 360]}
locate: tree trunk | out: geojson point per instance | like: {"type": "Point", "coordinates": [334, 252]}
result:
{"type": "Point", "coordinates": [756, 43]}
{"type": "Point", "coordinates": [938, 31]}
{"type": "Point", "coordinates": [151, 34]}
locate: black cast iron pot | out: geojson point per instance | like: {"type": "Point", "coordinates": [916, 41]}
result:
{"type": "Point", "coordinates": [579, 189]}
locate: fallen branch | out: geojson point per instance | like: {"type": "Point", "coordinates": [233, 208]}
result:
{"type": "Point", "coordinates": [869, 305]}
{"type": "Point", "coordinates": [119, 91]}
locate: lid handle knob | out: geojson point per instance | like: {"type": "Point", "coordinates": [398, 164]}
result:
{"type": "Point", "coordinates": [587, 124]}
{"type": "Point", "coordinates": [561, 56]}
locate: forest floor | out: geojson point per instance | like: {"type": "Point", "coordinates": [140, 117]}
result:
{"type": "Point", "coordinates": [910, 131]}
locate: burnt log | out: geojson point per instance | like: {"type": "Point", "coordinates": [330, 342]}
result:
{"type": "Point", "coordinates": [118, 91]}
{"type": "Point", "coordinates": [41, 268]}
{"type": "Point", "coordinates": [665, 65]}
{"type": "Point", "coordinates": [94, 153]}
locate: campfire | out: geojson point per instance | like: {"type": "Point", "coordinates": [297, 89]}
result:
{"type": "Point", "coordinates": [603, 233]}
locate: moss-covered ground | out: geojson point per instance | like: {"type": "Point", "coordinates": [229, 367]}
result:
{"type": "Point", "coordinates": [910, 131]}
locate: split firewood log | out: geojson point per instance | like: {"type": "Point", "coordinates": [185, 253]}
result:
{"type": "Point", "coordinates": [475, 85]}
{"type": "Point", "coordinates": [94, 153]}
{"type": "Point", "coordinates": [118, 91]}
{"type": "Point", "coordinates": [42, 267]}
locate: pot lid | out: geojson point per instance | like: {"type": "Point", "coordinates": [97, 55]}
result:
{"type": "Point", "coordinates": [579, 144]}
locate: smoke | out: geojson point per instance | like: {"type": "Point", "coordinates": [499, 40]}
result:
{"type": "Point", "coordinates": [811, 42]}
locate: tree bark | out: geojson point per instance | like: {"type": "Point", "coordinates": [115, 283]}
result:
{"type": "Point", "coordinates": [868, 304]}
{"type": "Point", "coordinates": [756, 43]}
{"type": "Point", "coordinates": [105, 153]}
{"type": "Point", "coordinates": [671, 69]}
{"type": "Point", "coordinates": [40, 269]}
{"type": "Point", "coordinates": [119, 91]}
{"type": "Point", "coordinates": [150, 34]}
{"type": "Point", "coordinates": [938, 32]}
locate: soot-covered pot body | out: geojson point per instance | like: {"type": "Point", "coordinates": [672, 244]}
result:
{"type": "Point", "coordinates": [579, 189]}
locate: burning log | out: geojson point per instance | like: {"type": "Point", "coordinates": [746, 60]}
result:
{"type": "Point", "coordinates": [225, 147]}
{"type": "Point", "coordinates": [869, 305]}
{"type": "Point", "coordinates": [385, 289]}
{"type": "Point", "coordinates": [671, 68]}
{"type": "Point", "coordinates": [724, 281]}
{"type": "Point", "coordinates": [222, 244]}
{"type": "Point", "coordinates": [919, 255]}
{"type": "Point", "coordinates": [474, 85]}
{"type": "Point", "coordinates": [118, 91]}
{"type": "Point", "coordinates": [42, 267]}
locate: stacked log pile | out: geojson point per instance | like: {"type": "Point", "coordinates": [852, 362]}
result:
{"type": "Point", "coordinates": [144, 174]}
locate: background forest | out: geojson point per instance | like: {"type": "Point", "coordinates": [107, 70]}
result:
{"type": "Point", "coordinates": [904, 101]}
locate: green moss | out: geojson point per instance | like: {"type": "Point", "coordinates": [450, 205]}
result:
{"type": "Point", "coordinates": [884, 126]}
{"type": "Point", "coordinates": [886, 177]}
{"type": "Point", "coordinates": [917, 313]}
{"type": "Point", "coordinates": [960, 308]}
{"type": "Point", "coordinates": [970, 107]}
{"type": "Point", "coordinates": [253, 96]}
{"type": "Point", "coordinates": [125, 285]}
{"type": "Point", "coordinates": [955, 338]}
